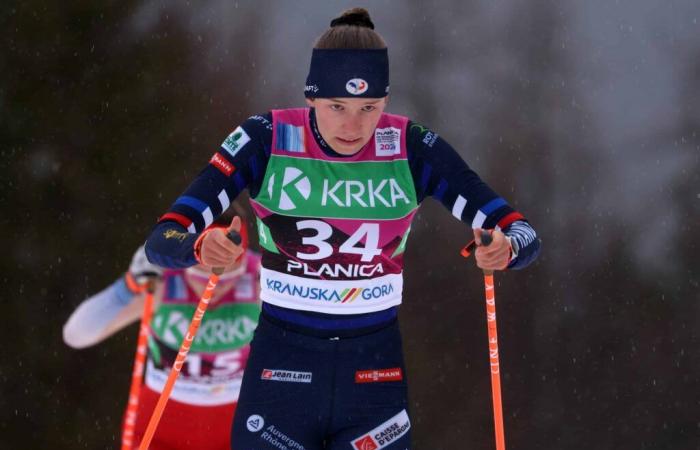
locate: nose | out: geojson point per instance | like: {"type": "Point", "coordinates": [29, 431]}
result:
{"type": "Point", "coordinates": [353, 123]}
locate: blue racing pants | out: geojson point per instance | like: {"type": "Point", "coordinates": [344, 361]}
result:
{"type": "Point", "coordinates": [303, 392]}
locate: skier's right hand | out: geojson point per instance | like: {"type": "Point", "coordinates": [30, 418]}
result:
{"type": "Point", "coordinates": [141, 270]}
{"type": "Point", "coordinates": [215, 249]}
{"type": "Point", "coordinates": [494, 256]}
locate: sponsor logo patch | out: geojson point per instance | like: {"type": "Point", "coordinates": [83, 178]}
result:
{"type": "Point", "coordinates": [174, 234]}
{"type": "Point", "coordinates": [428, 137]}
{"type": "Point", "coordinates": [278, 439]}
{"type": "Point", "coordinates": [255, 423]}
{"type": "Point", "coordinates": [385, 434]}
{"type": "Point", "coordinates": [235, 141]}
{"type": "Point", "coordinates": [356, 86]}
{"type": "Point", "coordinates": [335, 270]}
{"type": "Point", "coordinates": [365, 443]}
{"type": "Point", "coordinates": [271, 434]}
{"type": "Point", "coordinates": [264, 121]}
{"type": "Point", "coordinates": [296, 187]}
{"type": "Point", "coordinates": [227, 327]}
{"type": "Point", "coordinates": [330, 295]}
{"type": "Point", "coordinates": [220, 163]}
{"type": "Point", "coordinates": [387, 141]}
{"type": "Point", "coordinates": [320, 189]}
{"type": "Point", "coordinates": [379, 375]}
{"type": "Point", "coordinates": [288, 376]}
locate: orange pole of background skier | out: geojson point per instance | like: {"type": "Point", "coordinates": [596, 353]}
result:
{"type": "Point", "coordinates": [493, 344]}
{"type": "Point", "coordinates": [137, 374]}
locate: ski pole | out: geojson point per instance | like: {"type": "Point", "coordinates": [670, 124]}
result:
{"type": "Point", "coordinates": [137, 374]}
{"type": "Point", "coordinates": [185, 348]}
{"type": "Point", "coordinates": [486, 239]}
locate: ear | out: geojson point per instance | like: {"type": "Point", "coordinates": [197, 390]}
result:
{"type": "Point", "coordinates": [310, 102]}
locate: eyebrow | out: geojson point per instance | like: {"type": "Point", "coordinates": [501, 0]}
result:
{"type": "Point", "coordinates": [338, 100]}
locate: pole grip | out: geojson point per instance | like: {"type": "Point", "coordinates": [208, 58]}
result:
{"type": "Point", "coordinates": [486, 238]}
{"type": "Point", "coordinates": [235, 237]}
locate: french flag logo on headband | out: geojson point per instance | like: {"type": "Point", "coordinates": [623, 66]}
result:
{"type": "Point", "coordinates": [357, 86]}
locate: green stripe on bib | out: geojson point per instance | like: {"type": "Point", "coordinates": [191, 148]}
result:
{"type": "Point", "coordinates": [369, 190]}
{"type": "Point", "coordinates": [225, 327]}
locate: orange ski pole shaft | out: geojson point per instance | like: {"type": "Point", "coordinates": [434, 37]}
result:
{"type": "Point", "coordinates": [494, 362]}
{"type": "Point", "coordinates": [179, 361]}
{"type": "Point", "coordinates": [137, 374]}
{"type": "Point", "coordinates": [184, 350]}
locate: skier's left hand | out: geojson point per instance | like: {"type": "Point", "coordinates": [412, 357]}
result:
{"type": "Point", "coordinates": [496, 255]}
{"type": "Point", "coordinates": [142, 270]}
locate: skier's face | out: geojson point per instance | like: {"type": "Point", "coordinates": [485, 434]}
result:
{"type": "Point", "coordinates": [347, 124]}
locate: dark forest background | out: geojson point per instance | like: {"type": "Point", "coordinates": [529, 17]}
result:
{"type": "Point", "coordinates": [584, 115]}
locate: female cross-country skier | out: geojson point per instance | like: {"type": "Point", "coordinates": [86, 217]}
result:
{"type": "Point", "coordinates": [334, 188]}
{"type": "Point", "coordinates": [203, 400]}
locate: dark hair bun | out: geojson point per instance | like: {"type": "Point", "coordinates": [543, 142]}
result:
{"type": "Point", "coordinates": [358, 17]}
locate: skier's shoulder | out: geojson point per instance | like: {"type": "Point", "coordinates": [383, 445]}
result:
{"type": "Point", "coordinates": [256, 129]}
{"type": "Point", "coordinates": [260, 124]}
{"type": "Point", "coordinates": [421, 132]}
{"type": "Point", "coordinates": [419, 137]}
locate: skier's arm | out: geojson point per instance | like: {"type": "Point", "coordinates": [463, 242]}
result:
{"type": "Point", "coordinates": [238, 164]}
{"type": "Point", "coordinates": [112, 309]}
{"type": "Point", "coordinates": [102, 315]}
{"type": "Point", "coordinates": [440, 172]}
